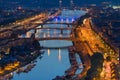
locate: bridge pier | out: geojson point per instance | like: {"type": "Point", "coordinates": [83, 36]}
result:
{"type": "Point", "coordinates": [35, 31]}
{"type": "Point", "coordinates": [61, 31]}
{"type": "Point", "coordinates": [68, 25]}
{"type": "Point", "coordinates": [41, 25]}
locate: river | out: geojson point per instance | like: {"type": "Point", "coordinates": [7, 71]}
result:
{"type": "Point", "coordinates": [54, 62]}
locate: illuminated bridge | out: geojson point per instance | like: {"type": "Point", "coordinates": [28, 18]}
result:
{"type": "Point", "coordinates": [60, 36]}
{"type": "Point", "coordinates": [55, 28]}
{"type": "Point", "coordinates": [61, 28]}
{"type": "Point", "coordinates": [64, 23]}
{"type": "Point", "coordinates": [57, 38]}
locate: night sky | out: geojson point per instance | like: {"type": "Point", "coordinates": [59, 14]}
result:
{"type": "Point", "coordinates": [48, 3]}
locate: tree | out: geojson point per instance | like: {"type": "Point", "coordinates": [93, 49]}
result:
{"type": "Point", "coordinates": [96, 66]}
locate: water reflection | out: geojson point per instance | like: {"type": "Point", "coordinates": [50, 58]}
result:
{"type": "Point", "coordinates": [28, 34]}
{"type": "Point", "coordinates": [61, 20]}
{"type": "Point", "coordinates": [56, 20]}
{"type": "Point", "coordinates": [54, 61]}
{"type": "Point", "coordinates": [48, 52]}
{"type": "Point", "coordinates": [59, 55]}
{"type": "Point", "coordinates": [67, 20]}
{"type": "Point", "coordinates": [44, 35]}
{"type": "Point", "coordinates": [54, 33]}
{"type": "Point", "coordinates": [73, 19]}
{"type": "Point", "coordinates": [17, 57]}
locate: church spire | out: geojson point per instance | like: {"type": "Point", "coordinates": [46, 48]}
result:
{"type": "Point", "coordinates": [60, 4]}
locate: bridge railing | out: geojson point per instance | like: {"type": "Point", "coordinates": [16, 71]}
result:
{"type": "Point", "coordinates": [56, 38]}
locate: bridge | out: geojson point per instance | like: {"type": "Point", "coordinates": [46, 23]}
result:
{"type": "Point", "coordinates": [61, 28]}
{"type": "Point", "coordinates": [56, 28]}
{"type": "Point", "coordinates": [20, 40]}
{"type": "Point", "coordinates": [64, 23]}
{"type": "Point", "coordinates": [62, 47]}
{"type": "Point", "coordinates": [70, 26]}
{"type": "Point", "coordinates": [57, 38]}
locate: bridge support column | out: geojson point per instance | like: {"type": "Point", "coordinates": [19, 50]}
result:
{"type": "Point", "coordinates": [61, 31]}
{"type": "Point", "coordinates": [41, 25]}
{"type": "Point", "coordinates": [35, 30]}
{"type": "Point", "coordinates": [68, 25]}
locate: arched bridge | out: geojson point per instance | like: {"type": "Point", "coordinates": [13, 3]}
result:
{"type": "Point", "coordinates": [56, 38]}
{"type": "Point", "coordinates": [61, 28]}
{"type": "Point", "coordinates": [62, 47]}
{"type": "Point", "coordinates": [64, 23]}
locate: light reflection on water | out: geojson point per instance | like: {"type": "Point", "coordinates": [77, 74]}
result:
{"type": "Point", "coordinates": [48, 52]}
{"type": "Point", "coordinates": [48, 67]}
{"type": "Point", "coordinates": [54, 61]}
{"type": "Point", "coordinates": [59, 55]}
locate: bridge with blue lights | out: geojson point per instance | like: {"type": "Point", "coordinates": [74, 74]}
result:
{"type": "Point", "coordinates": [62, 23]}
{"type": "Point", "coordinates": [65, 23]}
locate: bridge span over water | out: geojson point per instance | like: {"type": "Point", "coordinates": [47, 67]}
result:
{"type": "Point", "coordinates": [57, 38]}
{"type": "Point", "coordinates": [61, 29]}
{"type": "Point", "coordinates": [65, 23]}
{"type": "Point", "coordinates": [62, 47]}
{"type": "Point", "coordinates": [62, 23]}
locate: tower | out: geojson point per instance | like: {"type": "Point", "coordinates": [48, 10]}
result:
{"type": "Point", "coordinates": [60, 4]}
{"type": "Point", "coordinates": [71, 4]}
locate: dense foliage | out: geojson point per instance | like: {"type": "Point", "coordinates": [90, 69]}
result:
{"type": "Point", "coordinates": [96, 66]}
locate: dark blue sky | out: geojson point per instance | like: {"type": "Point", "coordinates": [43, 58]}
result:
{"type": "Point", "coordinates": [48, 3]}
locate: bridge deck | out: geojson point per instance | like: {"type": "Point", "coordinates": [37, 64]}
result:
{"type": "Point", "coordinates": [68, 28]}
{"type": "Point", "coordinates": [56, 38]}
{"type": "Point", "coordinates": [62, 47]}
{"type": "Point", "coordinates": [65, 23]}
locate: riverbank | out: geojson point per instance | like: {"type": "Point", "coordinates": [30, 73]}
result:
{"type": "Point", "coordinates": [19, 56]}
{"type": "Point", "coordinates": [80, 49]}
{"type": "Point", "coordinates": [83, 53]}
{"type": "Point", "coordinates": [26, 24]}
{"type": "Point", "coordinates": [62, 68]}
{"type": "Point", "coordinates": [9, 34]}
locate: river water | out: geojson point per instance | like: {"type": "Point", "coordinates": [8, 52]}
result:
{"type": "Point", "coordinates": [54, 61]}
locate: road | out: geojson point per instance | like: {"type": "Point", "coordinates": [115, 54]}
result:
{"type": "Point", "coordinates": [92, 42]}
{"type": "Point", "coordinates": [26, 24]}
{"type": "Point", "coordinates": [23, 25]}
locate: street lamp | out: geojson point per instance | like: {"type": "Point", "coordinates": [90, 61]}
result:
{"type": "Point", "coordinates": [119, 53]}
